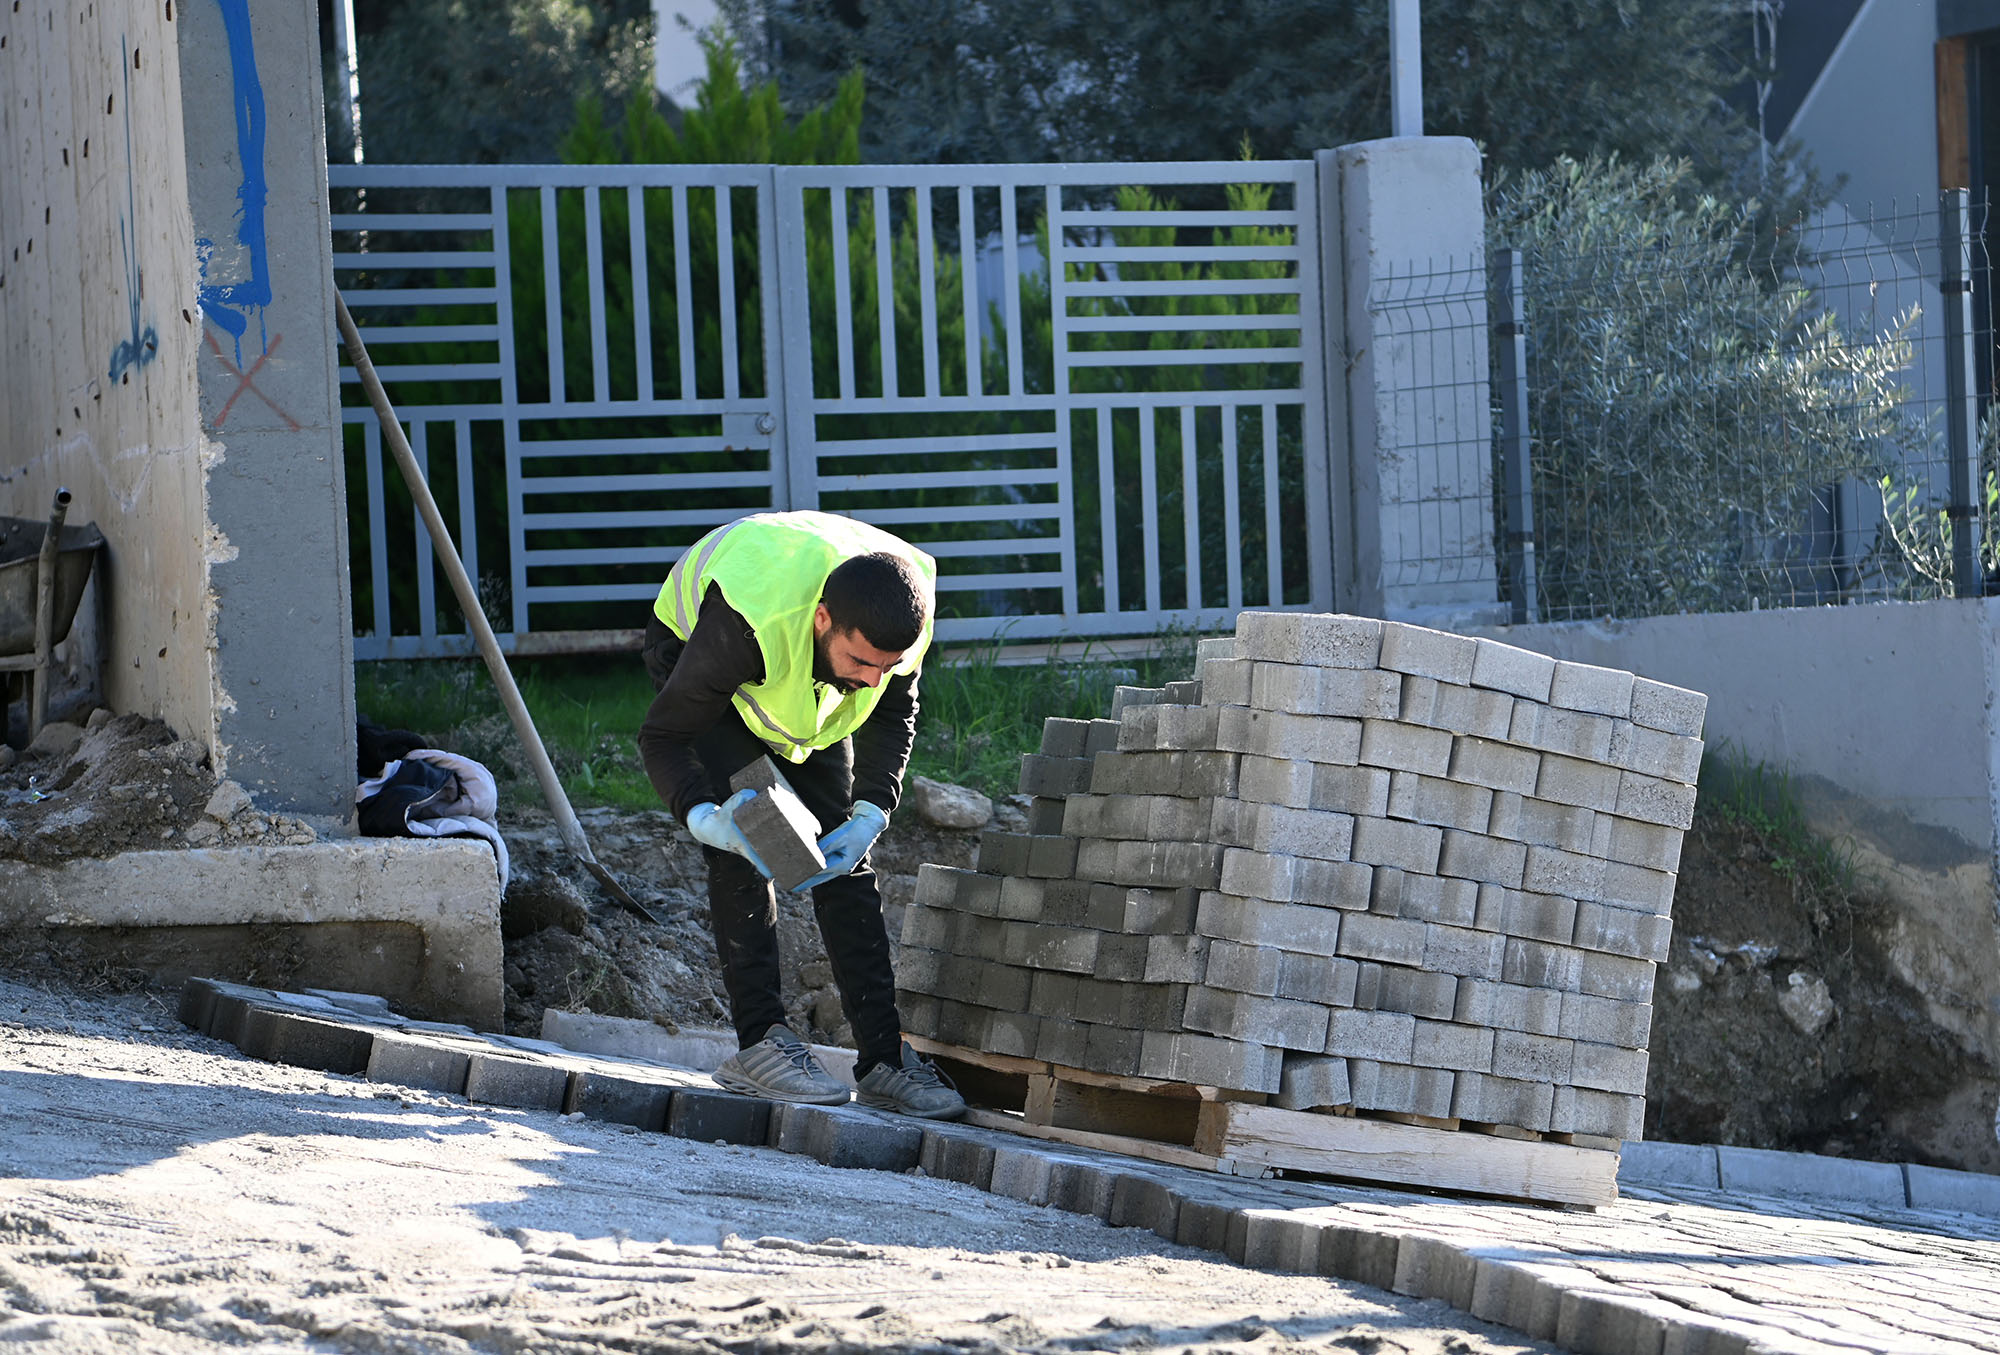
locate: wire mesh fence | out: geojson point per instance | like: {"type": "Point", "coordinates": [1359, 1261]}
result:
{"type": "Point", "coordinates": [1709, 419]}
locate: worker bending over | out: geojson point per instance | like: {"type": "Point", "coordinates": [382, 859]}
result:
{"type": "Point", "coordinates": [799, 635]}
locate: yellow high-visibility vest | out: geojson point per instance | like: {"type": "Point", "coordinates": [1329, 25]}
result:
{"type": "Point", "coordinates": [771, 568]}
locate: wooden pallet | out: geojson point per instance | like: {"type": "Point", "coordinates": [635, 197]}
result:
{"type": "Point", "coordinates": [1215, 1129]}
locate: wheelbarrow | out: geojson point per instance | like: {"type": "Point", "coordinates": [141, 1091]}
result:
{"type": "Point", "coordinates": [43, 569]}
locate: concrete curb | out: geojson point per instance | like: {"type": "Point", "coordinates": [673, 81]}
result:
{"type": "Point", "coordinates": [1778, 1175]}
{"type": "Point", "coordinates": [1265, 1225]}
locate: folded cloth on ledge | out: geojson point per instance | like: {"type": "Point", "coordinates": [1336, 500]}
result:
{"type": "Point", "coordinates": [432, 793]}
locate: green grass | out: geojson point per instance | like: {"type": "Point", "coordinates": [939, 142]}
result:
{"type": "Point", "coordinates": [978, 717]}
{"type": "Point", "coordinates": [1762, 798]}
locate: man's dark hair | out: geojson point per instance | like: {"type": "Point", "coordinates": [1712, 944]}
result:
{"type": "Point", "coordinates": [880, 595]}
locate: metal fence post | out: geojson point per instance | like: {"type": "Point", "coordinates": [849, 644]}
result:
{"type": "Point", "coordinates": [1517, 498]}
{"type": "Point", "coordinates": [1961, 392]}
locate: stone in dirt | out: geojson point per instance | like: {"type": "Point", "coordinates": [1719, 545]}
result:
{"type": "Point", "coordinates": [943, 805]}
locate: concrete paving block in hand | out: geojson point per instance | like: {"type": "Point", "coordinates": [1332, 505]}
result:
{"type": "Point", "coordinates": [619, 1100]}
{"type": "Point", "coordinates": [279, 1036]}
{"type": "Point", "coordinates": [504, 1080]}
{"type": "Point", "coordinates": [783, 833]}
{"type": "Point", "coordinates": [411, 1061]}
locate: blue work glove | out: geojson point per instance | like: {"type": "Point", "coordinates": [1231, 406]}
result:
{"type": "Point", "coordinates": [844, 847]}
{"type": "Point", "coordinates": [715, 826]}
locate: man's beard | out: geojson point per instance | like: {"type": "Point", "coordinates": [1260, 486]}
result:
{"type": "Point", "coordinates": [823, 668]}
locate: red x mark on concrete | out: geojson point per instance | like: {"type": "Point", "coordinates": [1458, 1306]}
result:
{"type": "Point", "coordinates": [246, 380]}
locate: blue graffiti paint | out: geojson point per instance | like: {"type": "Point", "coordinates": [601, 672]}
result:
{"type": "Point", "coordinates": [230, 305]}
{"type": "Point", "coordinates": [141, 346]}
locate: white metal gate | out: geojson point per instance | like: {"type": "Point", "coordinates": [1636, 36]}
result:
{"type": "Point", "coordinates": [598, 363]}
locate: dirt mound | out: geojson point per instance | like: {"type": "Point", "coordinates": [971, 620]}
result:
{"type": "Point", "coordinates": [124, 784]}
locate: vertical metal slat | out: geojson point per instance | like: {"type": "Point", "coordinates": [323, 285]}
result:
{"type": "Point", "coordinates": [1961, 392]}
{"type": "Point", "coordinates": [427, 626]}
{"type": "Point", "coordinates": [1232, 505]}
{"type": "Point", "coordinates": [593, 254]}
{"type": "Point", "coordinates": [725, 283]}
{"type": "Point", "coordinates": [885, 292]}
{"type": "Point", "coordinates": [968, 264]}
{"type": "Point", "coordinates": [843, 300]}
{"type": "Point", "coordinates": [1517, 503]}
{"type": "Point", "coordinates": [642, 300]}
{"type": "Point", "coordinates": [552, 296]}
{"type": "Point", "coordinates": [1010, 254]}
{"type": "Point", "coordinates": [927, 279]}
{"type": "Point", "coordinates": [378, 524]}
{"type": "Point", "coordinates": [1274, 554]}
{"type": "Point", "coordinates": [1107, 507]}
{"type": "Point", "coordinates": [468, 517]}
{"type": "Point", "coordinates": [1149, 501]}
{"type": "Point", "coordinates": [683, 292]}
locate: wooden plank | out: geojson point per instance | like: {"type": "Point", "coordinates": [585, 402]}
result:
{"type": "Point", "coordinates": [1376, 1150]}
{"type": "Point", "coordinates": [1170, 1153]}
{"type": "Point", "coordinates": [1009, 1063]}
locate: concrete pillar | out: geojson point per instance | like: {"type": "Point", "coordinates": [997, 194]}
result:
{"type": "Point", "coordinates": [276, 543]}
{"type": "Point", "coordinates": [1414, 509]}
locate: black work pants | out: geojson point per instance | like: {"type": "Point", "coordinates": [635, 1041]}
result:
{"type": "Point", "coordinates": [743, 906]}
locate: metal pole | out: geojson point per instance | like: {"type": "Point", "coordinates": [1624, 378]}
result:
{"type": "Point", "coordinates": [1406, 69]}
{"type": "Point", "coordinates": [46, 564]}
{"type": "Point", "coordinates": [1961, 392]}
{"type": "Point", "coordinates": [1517, 500]}
{"type": "Point", "coordinates": [350, 71]}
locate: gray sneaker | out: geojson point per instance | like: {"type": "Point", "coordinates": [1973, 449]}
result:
{"type": "Point", "coordinates": [917, 1088]}
{"type": "Point", "coordinates": [781, 1067]}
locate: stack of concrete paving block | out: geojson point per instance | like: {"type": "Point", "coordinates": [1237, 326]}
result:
{"type": "Point", "coordinates": [1354, 863]}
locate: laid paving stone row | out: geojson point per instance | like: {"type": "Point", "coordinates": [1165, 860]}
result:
{"type": "Point", "coordinates": [1669, 1270]}
{"type": "Point", "coordinates": [1354, 863]}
